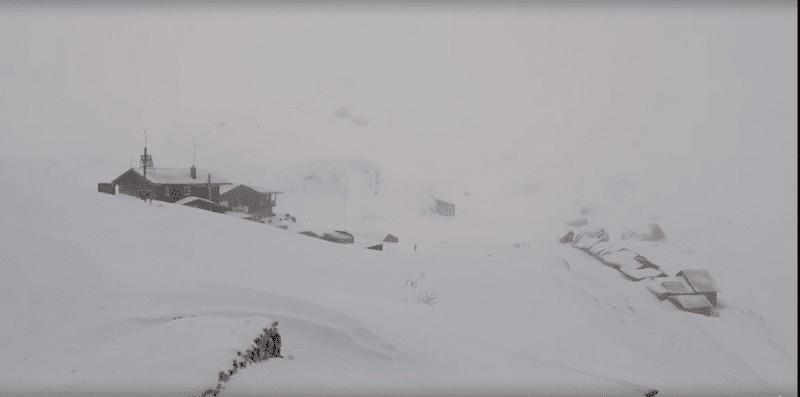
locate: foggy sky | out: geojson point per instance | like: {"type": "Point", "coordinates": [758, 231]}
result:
{"type": "Point", "coordinates": [702, 96]}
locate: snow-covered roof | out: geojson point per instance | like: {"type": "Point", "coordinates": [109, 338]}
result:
{"type": "Point", "coordinates": [587, 242]}
{"type": "Point", "coordinates": [601, 248]}
{"type": "Point", "coordinates": [676, 286]}
{"type": "Point", "coordinates": [623, 258]}
{"type": "Point", "coordinates": [641, 274]}
{"type": "Point", "coordinates": [227, 188]}
{"type": "Point", "coordinates": [182, 176]}
{"type": "Point", "coordinates": [692, 302]}
{"type": "Point", "coordinates": [700, 280]}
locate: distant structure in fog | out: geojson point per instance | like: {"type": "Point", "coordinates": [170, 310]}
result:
{"type": "Point", "coordinates": [250, 200]}
{"type": "Point", "coordinates": [445, 208]}
{"type": "Point", "coordinates": [165, 184]}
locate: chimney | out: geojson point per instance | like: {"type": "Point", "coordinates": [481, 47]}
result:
{"type": "Point", "coordinates": [193, 172]}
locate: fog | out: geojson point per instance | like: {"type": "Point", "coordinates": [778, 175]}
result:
{"type": "Point", "coordinates": [693, 98]}
{"type": "Point", "coordinates": [531, 117]}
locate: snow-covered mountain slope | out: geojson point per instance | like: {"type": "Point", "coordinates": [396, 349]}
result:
{"type": "Point", "coordinates": [101, 292]}
{"type": "Point", "coordinates": [683, 117]}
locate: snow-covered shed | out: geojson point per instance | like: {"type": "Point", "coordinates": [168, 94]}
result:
{"type": "Point", "coordinates": [701, 282]}
{"type": "Point", "coordinates": [601, 248]}
{"type": "Point", "coordinates": [586, 240]}
{"type": "Point", "coordinates": [309, 233]}
{"type": "Point", "coordinates": [632, 265]}
{"type": "Point", "coordinates": [334, 236]}
{"type": "Point", "coordinates": [688, 282]}
{"type": "Point", "coordinates": [693, 303]}
{"type": "Point", "coordinates": [445, 208]}
{"type": "Point", "coordinates": [338, 236]}
{"type": "Point", "coordinates": [375, 247]}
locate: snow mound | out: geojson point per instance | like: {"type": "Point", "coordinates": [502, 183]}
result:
{"type": "Point", "coordinates": [651, 232]}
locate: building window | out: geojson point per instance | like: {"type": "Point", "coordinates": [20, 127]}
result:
{"type": "Point", "coordinates": [187, 190]}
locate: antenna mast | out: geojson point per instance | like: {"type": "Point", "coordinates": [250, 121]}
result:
{"type": "Point", "coordinates": [145, 160]}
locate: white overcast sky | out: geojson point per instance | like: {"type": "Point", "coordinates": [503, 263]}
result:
{"type": "Point", "coordinates": [675, 92]}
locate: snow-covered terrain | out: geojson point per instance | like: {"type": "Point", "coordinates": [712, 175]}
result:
{"type": "Point", "coordinates": [684, 118]}
{"type": "Point", "coordinates": [104, 292]}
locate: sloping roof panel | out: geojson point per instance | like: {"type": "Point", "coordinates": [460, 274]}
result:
{"type": "Point", "coordinates": [624, 258]}
{"type": "Point", "coordinates": [599, 247]}
{"type": "Point", "coordinates": [640, 274]}
{"type": "Point", "coordinates": [692, 302]}
{"type": "Point", "coordinates": [700, 280]}
{"type": "Point", "coordinates": [677, 286]}
{"type": "Point", "coordinates": [587, 242]}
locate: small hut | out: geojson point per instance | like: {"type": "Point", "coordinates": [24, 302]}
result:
{"type": "Point", "coordinates": [701, 282]}
{"type": "Point", "coordinates": [691, 290]}
{"type": "Point", "coordinates": [445, 208]}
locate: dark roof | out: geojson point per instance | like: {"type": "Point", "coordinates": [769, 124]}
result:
{"type": "Point", "coordinates": [375, 247]}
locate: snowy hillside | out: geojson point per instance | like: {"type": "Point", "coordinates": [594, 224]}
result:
{"type": "Point", "coordinates": [530, 121]}
{"type": "Point", "coordinates": [93, 308]}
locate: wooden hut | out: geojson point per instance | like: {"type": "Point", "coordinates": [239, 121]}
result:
{"type": "Point", "coordinates": [248, 199]}
{"type": "Point", "coordinates": [170, 184]}
{"type": "Point", "coordinates": [445, 208]}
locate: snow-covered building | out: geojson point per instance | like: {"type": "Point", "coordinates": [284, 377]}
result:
{"type": "Point", "coordinates": [690, 289]}
{"type": "Point", "coordinates": [334, 236]}
{"type": "Point", "coordinates": [170, 184]}
{"type": "Point", "coordinates": [632, 265]}
{"type": "Point", "coordinates": [445, 208]}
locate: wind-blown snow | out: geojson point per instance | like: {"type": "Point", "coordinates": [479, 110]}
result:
{"type": "Point", "coordinates": [535, 124]}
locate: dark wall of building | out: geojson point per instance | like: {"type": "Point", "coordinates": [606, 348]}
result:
{"type": "Point", "coordinates": [107, 188]}
{"type": "Point", "coordinates": [445, 208]}
{"type": "Point", "coordinates": [133, 184]}
{"type": "Point", "coordinates": [172, 193]}
{"type": "Point", "coordinates": [207, 206]}
{"type": "Point", "coordinates": [243, 196]}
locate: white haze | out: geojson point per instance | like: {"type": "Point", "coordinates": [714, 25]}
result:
{"type": "Point", "coordinates": [646, 112]}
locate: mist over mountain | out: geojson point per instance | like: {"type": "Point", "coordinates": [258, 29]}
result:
{"type": "Point", "coordinates": [673, 128]}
